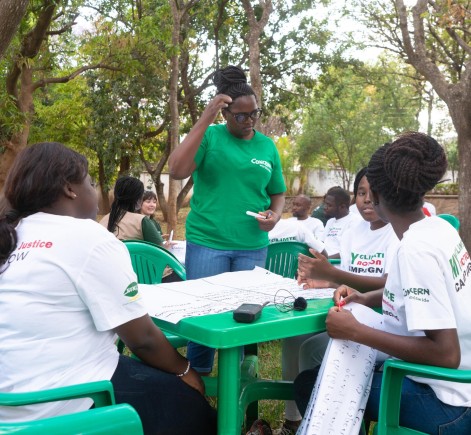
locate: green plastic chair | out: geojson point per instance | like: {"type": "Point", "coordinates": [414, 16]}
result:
{"type": "Point", "coordinates": [282, 257]}
{"type": "Point", "coordinates": [105, 418]}
{"type": "Point", "coordinates": [149, 261]}
{"type": "Point", "coordinates": [393, 374]}
{"type": "Point", "coordinates": [452, 219]}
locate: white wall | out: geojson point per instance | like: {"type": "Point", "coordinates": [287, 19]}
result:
{"type": "Point", "coordinates": [318, 181]}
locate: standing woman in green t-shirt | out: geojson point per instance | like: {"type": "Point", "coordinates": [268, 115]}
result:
{"type": "Point", "coordinates": [235, 169]}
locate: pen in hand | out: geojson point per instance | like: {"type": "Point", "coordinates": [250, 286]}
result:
{"type": "Point", "coordinates": [340, 304]}
{"type": "Point", "coordinates": [255, 215]}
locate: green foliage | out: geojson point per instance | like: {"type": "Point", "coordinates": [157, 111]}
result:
{"type": "Point", "coordinates": [451, 149]}
{"type": "Point", "coordinates": [284, 146]}
{"type": "Point", "coordinates": [446, 189]}
{"type": "Point", "coordinates": [353, 110]}
{"type": "Point", "coordinates": [11, 118]}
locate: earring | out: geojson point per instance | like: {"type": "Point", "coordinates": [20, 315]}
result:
{"type": "Point", "coordinates": [74, 195]}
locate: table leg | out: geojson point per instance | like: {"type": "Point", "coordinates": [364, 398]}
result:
{"type": "Point", "coordinates": [229, 420]}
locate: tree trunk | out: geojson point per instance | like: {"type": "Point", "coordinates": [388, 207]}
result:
{"type": "Point", "coordinates": [255, 30]}
{"type": "Point", "coordinates": [457, 95]}
{"type": "Point", "coordinates": [11, 13]}
{"type": "Point", "coordinates": [104, 206]}
{"type": "Point", "coordinates": [19, 140]}
{"type": "Point", "coordinates": [460, 112]}
{"type": "Point", "coordinates": [174, 115]}
{"type": "Point", "coordinates": [464, 147]}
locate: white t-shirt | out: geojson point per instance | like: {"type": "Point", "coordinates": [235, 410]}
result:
{"type": "Point", "coordinates": [314, 225]}
{"type": "Point", "coordinates": [428, 288]}
{"type": "Point", "coordinates": [432, 211]}
{"type": "Point", "coordinates": [334, 229]}
{"type": "Point", "coordinates": [289, 230]}
{"type": "Point", "coordinates": [68, 283]}
{"type": "Point", "coordinates": [368, 252]}
{"type": "Point", "coordinates": [353, 209]}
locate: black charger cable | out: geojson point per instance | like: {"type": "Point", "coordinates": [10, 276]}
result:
{"type": "Point", "coordinates": [285, 301]}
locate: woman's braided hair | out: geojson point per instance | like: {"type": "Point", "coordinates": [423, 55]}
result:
{"type": "Point", "coordinates": [128, 192]}
{"type": "Point", "coordinates": [232, 81]}
{"type": "Point", "coordinates": [404, 170]}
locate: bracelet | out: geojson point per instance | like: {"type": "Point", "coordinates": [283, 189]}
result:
{"type": "Point", "coordinates": [180, 375]}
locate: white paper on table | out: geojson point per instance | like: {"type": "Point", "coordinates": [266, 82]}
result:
{"type": "Point", "coordinates": [339, 397]}
{"type": "Point", "coordinates": [220, 293]}
{"type": "Point", "coordinates": [179, 250]}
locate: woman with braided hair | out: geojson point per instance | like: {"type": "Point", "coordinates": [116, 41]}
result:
{"type": "Point", "coordinates": [426, 298]}
{"type": "Point", "coordinates": [235, 169]}
{"type": "Point", "coordinates": [68, 288]}
{"type": "Point", "coordinates": [124, 219]}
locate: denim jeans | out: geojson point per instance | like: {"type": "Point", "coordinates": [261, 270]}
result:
{"type": "Point", "coordinates": [420, 408]}
{"type": "Point", "coordinates": [165, 404]}
{"type": "Point", "coordinates": [200, 262]}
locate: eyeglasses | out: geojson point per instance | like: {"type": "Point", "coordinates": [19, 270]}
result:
{"type": "Point", "coordinates": [241, 117]}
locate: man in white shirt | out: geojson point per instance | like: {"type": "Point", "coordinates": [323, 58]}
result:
{"type": "Point", "coordinates": [300, 209]}
{"type": "Point", "coordinates": [289, 230]}
{"type": "Point", "coordinates": [336, 205]}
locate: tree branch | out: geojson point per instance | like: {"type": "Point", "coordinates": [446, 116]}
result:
{"type": "Point", "coordinates": [43, 82]}
{"type": "Point", "coordinates": [65, 28]}
{"type": "Point", "coordinates": [459, 40]}
{"type": "Point", "coordinates": [417, 55]}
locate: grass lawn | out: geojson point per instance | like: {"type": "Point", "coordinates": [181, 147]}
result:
{"type": "Point", "coordinates": [269, 352]}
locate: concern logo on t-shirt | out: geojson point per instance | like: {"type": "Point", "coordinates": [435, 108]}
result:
{"type": "Point", "coordinates": [131, 290]}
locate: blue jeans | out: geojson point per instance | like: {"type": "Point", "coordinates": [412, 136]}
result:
{"type": "Point", "coordinates": [200, 262]}
{"type": "Point", "coordinates": [165, 404]}
{"type": "Point", "coordinates": [420, 408]}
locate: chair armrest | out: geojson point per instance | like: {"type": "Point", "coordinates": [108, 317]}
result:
{"type": "Point", "coordinates": [101, 392]}
{"type": "Point", "coordinates": [108, 420]}
{"type": "Point", "coordinates": [394, 372]}
{"type": "Point", "coordinates": [432, 372]}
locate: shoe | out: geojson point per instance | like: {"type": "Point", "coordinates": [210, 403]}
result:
{"type": "Point", "coordinates": [286, 429]}
{"type": "Point", "coordinates": [283, 430]}
{"type": "Point", "coordinates": [260, 427]}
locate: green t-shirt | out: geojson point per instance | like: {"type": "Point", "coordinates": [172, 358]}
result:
{"type": "Point", "coordinates": [232, 176]}
{"type": "Point", "coordinates": [150, 232]}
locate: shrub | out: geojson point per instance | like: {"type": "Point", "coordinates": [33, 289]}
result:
{"type": "Point", "coordinates": [446, 189]}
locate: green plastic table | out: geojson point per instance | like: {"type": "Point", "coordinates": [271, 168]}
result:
{"type": "Point", "coordinates": [221, 332]}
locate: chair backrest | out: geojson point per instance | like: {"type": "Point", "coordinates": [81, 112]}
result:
{"type": "Point", "coordinates": [452, 219]}
{"type": "Point", "coordinates": [108, 420]}
{"type": "Point", "coordinates": [101, 392]}
{"type": "Point", "coordinates": [282, 257]}
{"type": "Point", "coordinates": [105, 418]}
{"type": "Point", "coordinates": [149, 261]}
{"type": "Point", "coordinates": [394, 372]}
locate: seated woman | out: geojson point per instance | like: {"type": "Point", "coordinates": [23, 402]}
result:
{"type": "Point", "coordinates": [370, 238]}
{"type": "Point", "coordinates": [367, 251]}
{"type": "Point", "coordinates": [124, 220]}
{"type": "Point", "coordinates": [366, 248]}
{"type": "Point", "coordinates": [426, 296]}
{"type": "Point", "coordinates": [68, 288]}
{"type": "Point", "coordinates": [148, 206]}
